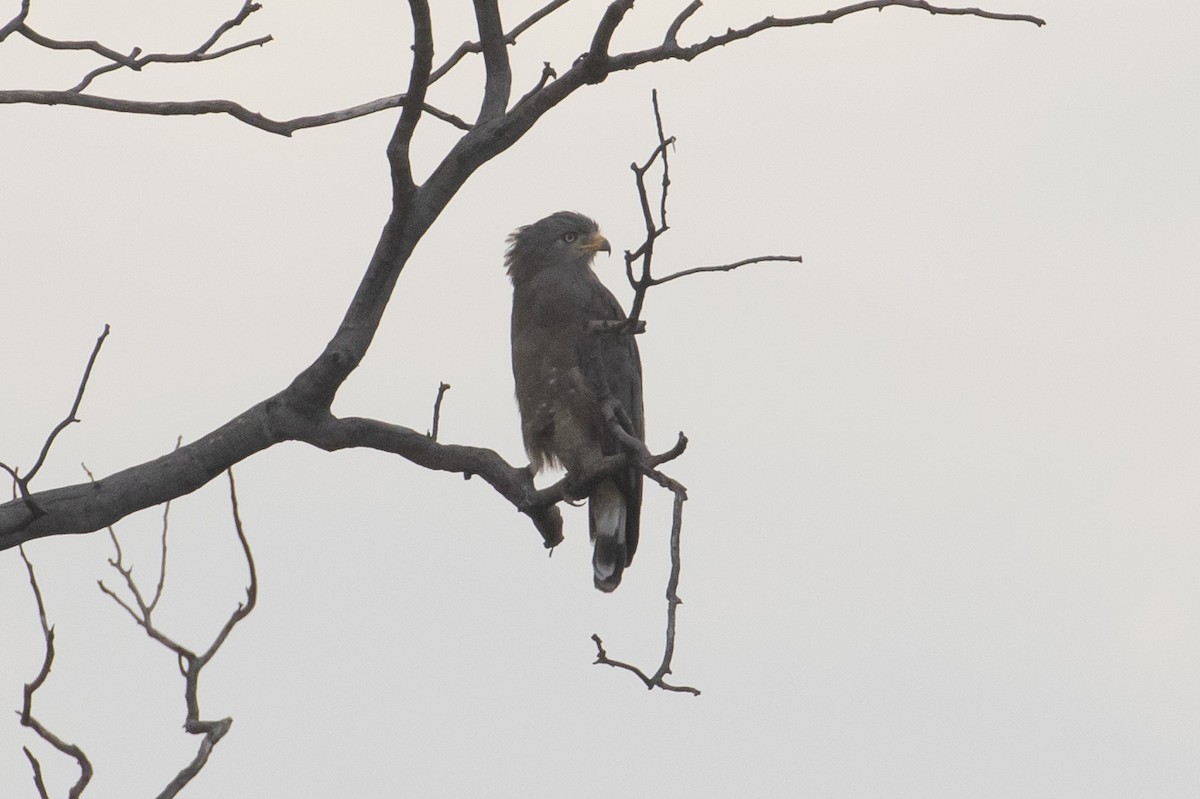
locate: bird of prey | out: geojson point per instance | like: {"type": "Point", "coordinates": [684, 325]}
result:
{"type": "Point", "coordinates": [565, 369]}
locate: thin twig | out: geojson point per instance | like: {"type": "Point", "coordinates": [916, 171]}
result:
{"type": "Point", "coordinates": [510, 38]}
{"type": "Point", "coordinates": [191, 664]}
{"type": "Point", "coordinates": [135, 60]}
{"type": "Point", "coordinates": [38, 782]}
{"type": "Point", "coordinates": [672, 34]}
{"type": "Point", "coordinates": [27, 719]}
{"type": "Point", "coordinates": [213, 731]}
{"type": "Point", "coordinates": [20, 483]}
{"type": "Point", "coordinates": [658, 281]}
{"type": "Point", "coordinates": [654, 228]}
{"type": "Point", "coordinates": [71, 415]}
{"type": "Point", "coordinates": [437, 409]}
{"type": "Point", "coordinates": [547, 73]}
{"type": "Point", "coordinates": [162, 563]}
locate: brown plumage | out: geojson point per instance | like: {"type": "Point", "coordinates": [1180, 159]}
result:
{"type": "Point", "coordinates": [564, 371]}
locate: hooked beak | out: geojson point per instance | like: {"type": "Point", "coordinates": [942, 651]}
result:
{"type": "Point", "coordinates": [597, 243]}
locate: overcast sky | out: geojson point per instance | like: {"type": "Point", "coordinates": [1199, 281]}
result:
{"type": "Point", "coordinates": [944, 524]}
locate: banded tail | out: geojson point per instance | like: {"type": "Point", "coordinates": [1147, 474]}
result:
{"type": "Point", "coordinates": [614, 542]}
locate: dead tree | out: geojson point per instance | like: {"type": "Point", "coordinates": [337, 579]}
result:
{"type": "Point", "coordinates": [301, 411]}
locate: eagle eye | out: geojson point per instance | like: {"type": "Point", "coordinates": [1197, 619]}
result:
{"type": "Point", "coordinates": [570, 237]}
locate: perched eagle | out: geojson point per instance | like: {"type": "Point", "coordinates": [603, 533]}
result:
{"type": "Point", "coordinates": [565, 368]}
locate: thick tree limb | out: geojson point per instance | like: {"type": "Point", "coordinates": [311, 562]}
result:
{"type": "Point", "coordinates": [418, 82]}
{"type": "Point", "coordinates": [498, 81]}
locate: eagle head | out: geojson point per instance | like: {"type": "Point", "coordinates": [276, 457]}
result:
{"type": "Point", "coordinates": [562, 239]}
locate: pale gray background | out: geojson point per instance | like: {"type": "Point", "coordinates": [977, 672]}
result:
{"type": "Point", "coordinates": [942, 539]}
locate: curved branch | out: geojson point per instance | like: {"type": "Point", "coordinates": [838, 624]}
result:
{"type": "Point", "coordinates": [498, 81]}
{"type": "Point", "coordinates": [16, 22]}
{"type": "Point", "coordinates": [201, 107]}
{"type": "Point", "coordinates": [513, 483]}
{"type": "Point", "coordinates": [670, 50]}
{"type": "Point", "coordinates": [90, 506]}
{"type": "Point", "coordinates": [594, 63]}
{"type": "Point", "coordinates": [135, 60]}
{"type": "Point", "coordinates": [71, 415]}
{"type": "Point", "coordinates": [191, 664]}
{"type": "Point", "coordinates": [418, 83]}
{"type": "Point", "coordinates": [27, 718]}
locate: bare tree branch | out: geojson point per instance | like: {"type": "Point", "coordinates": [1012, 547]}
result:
{"type": "Point", "coordinates": [437, 409]}
{"type": "Point", "coordinates": [672, 34]}
{"type": "Point", "coordinates": [670, 49]}
{"type": "Point", "coordinates": [510, 38]}
{"type": "Point", "coordinates": [657, 226]}
{"type": "Point", "coordinates": [418, 82]}
{"type": "Point", "coordinates": [654, 228]}
{"type": "Point", "coordinates": [200, 107]}
{"type": "Point", "coordinates": [191, 664]}
{"type": "Point", "coordinates": [498, 81]}
{"type": "Point", "coordinates": [620, 426]}
{"type": "Point", "coordinates": [71, 417]}
{"type": "Point", "coordinates": [135, 60]}
{"type": "Point", "coordinates": [593, 68]}
{"type": "Point", "coordinates": [696, 270]}
{"type": "Point", "coordinates": [658, 679]}
{"type": "Point", "coordinates": [594, 64]}
{"type": "Point", "coordinates": [22, 483]}
{"type": "Point", "coordinates": [16, 22]}
{"type": "Point", "coordinates": [38, 782]}
{"type": "Point", "coordinates": [547, 73]}
{"type": "Point", "coordinates": [27, 719]}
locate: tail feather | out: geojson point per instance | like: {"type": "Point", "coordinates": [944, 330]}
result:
{"type": "Point", "coordinates": [607, 517]}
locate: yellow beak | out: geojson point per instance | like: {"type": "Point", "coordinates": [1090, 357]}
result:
{"type": "Point", "coordinates": [596, 243]}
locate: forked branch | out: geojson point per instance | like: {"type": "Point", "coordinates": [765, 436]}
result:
{"type": "Point", "coordinates": [656, 226]}
{"type": "Point", "coordinates": [594, 67]}
{"type": "Point", "coordinates": [21, 483]}
{"type": "Point", "coordinates": [658, 679]}
{"type": "Point", "coordinates": [191, 663]}
{"type": "Point", "coordinates": [135, 60]}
